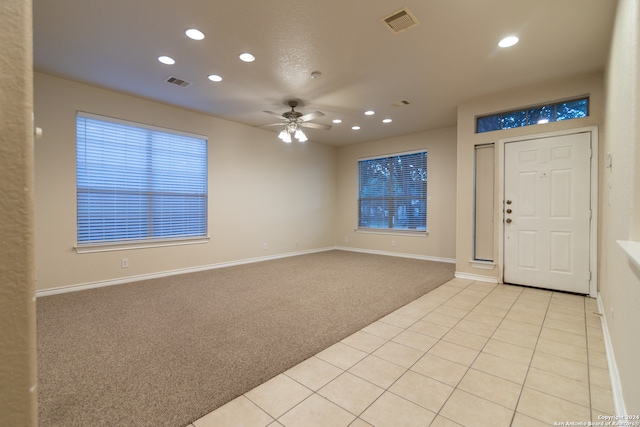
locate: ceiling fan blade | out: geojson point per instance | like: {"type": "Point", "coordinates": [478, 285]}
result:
{"type": "Point", "coordinates": [315, 125]}
{"type": "Point", "coordinates": [311, 116]}
{"type": "Point", "coordinates": [274, 114]}
{"type": "Point", "coordinates": [270, 124]}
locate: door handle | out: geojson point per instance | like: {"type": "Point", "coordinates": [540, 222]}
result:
{"type": "Point", "coordinates": [508, 220]}
{"type": "Point", "coordinates": [508, 202]}
{"type": "Point", "coordinates": [509, 211]}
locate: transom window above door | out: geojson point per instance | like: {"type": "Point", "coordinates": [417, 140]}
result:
{"type": "Point", "coordinates": [541, 114]}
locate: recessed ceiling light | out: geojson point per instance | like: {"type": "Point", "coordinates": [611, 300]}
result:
{"type": "Point", "coordinates": [194, 34]}
{"type": "Point", "coordinates": [247, 57]}
{"type": "Point", "coordinates": [336, 121]}
{"type": "Point", "coordinates": [387, 121]}
{"type": "Point", "coordinates": [369, 113]}
{"type": "Point", "coordinates": [214, 78]}
{"type": "Point", "coordinates": [166, 60]}
{"type": "Point", "coordinates": [508, 41]}
{"type": "Point", "coordinates": [355, 127]}
{"type": "Point", "coordinates": [316, 75]}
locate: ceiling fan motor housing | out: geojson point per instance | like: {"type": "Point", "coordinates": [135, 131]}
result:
{"type": "Point", "coordinates": [291, 115]}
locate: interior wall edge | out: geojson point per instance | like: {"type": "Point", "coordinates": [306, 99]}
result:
{"type": "Point", "coordinates": [18, 347]}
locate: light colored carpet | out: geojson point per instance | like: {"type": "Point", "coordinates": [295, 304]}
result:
{"type": "Point", "coordinates": [165, 352]}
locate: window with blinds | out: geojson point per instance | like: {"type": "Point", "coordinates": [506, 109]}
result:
{"type": "Point", "coordinates": [138, 183]}
{"type": "Point", "coordinates": [392, 193]}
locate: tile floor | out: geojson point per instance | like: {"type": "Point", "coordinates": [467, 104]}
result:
{"type": "Point", "coordinates": [466, 354]}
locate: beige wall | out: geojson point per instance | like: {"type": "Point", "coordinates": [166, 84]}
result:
{"type": "Point", "coordinates": [591, 84]}
{"type": "Point", "coordinates": [441, 201]}
{"type": "Point", "coordinates": [620, 213]}
{"type": "Point", "coordinates": [260, 190]}
{"type": "Point", "coordinates": [18, 405]}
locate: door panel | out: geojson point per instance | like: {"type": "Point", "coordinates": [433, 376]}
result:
{"type": "Point", "coordinates": [526, 188]}
{"type": "Point", "coordinates": [560, 257]}
{"type": "Point", "coordinates": [561, 186]}
{"type": "Point", "coordinates": [547, 212]}
{"type": "Point", "coordinates": [527, 249]}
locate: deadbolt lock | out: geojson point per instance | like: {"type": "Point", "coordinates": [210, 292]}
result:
{"type": "Point", "coordinates": [509, 211]}
{"type": "Point", "coordinates": [508, 220]}
{"type": "Point", "coordinates": [508, 202]}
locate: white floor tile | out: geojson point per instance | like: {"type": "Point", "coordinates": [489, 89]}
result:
{"type": "Point", "coordinates": [466, 354]}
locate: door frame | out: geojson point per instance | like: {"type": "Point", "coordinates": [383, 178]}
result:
{"type": "Point", "coordinates": [593, 231]}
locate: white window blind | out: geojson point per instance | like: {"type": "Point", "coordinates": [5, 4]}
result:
{"type": "Point", "coordinates": [138, 183]}
{"type": "Point", "coordinates": [393, 192]}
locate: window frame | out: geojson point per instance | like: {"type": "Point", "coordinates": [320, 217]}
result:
{"type": "Point", "coordinates": [152, 134]}
{"type": "Point", "coordinates": [392, 231]}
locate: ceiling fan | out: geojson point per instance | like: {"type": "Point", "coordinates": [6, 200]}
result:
{"type": "Point", "coordinates": [293, 122]}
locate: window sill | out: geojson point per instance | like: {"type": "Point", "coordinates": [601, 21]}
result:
{"type": "Point", "coordinates": [632, 249]}
{"type": "Point", "coordinates": [108, 247]}
{"type": "Point", "coordinates": [392, 232]}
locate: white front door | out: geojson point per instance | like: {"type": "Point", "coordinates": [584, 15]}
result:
{"type": "Point", "coordinates": [547, 216]}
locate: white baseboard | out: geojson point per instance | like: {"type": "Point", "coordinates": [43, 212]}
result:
{"type": "Point", "coordinates": [397, 254]}
{"type": "Point", "coordinates": [476, 277]}
{"type": "Point", "coordinates": [616, 386]}
{"type": "Point", "coordinates": [483, 265]}
{"type": "Point", "coordinates": [129, 279]}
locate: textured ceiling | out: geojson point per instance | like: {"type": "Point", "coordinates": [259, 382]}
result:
{"type": "Point", "coordinates": [451, 57]}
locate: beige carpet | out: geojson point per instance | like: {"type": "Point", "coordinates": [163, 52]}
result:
{"type": "Point", "coordinates": [165, 352]}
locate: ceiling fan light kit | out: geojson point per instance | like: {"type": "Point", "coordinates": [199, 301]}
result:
{"type": "Point", "coordinates": [293, 122]}
{"type": "Point", "coordinates": [285, 136]}
{"type": "Point", "coordinates": [300, 136]}
{"type": "Point", "coordinates": [290, 131]}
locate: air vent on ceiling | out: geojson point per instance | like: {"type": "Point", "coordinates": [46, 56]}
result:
{"type": "Point", "coordinates": [400, 103]}
{"type": "Point", "coordinates": [177, 81]}
{"type": "Point", "coordinates": [400, 21]}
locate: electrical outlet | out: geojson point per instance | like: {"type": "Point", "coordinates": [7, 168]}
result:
{"type": "Point", "coordinates": [346, 239]}
{"type": "Point", "coordinates": [265, 247]}
{"type": "Point", "coordinates": [393, 243]}
{"type": "Point", "coordinates": [124, 263]}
